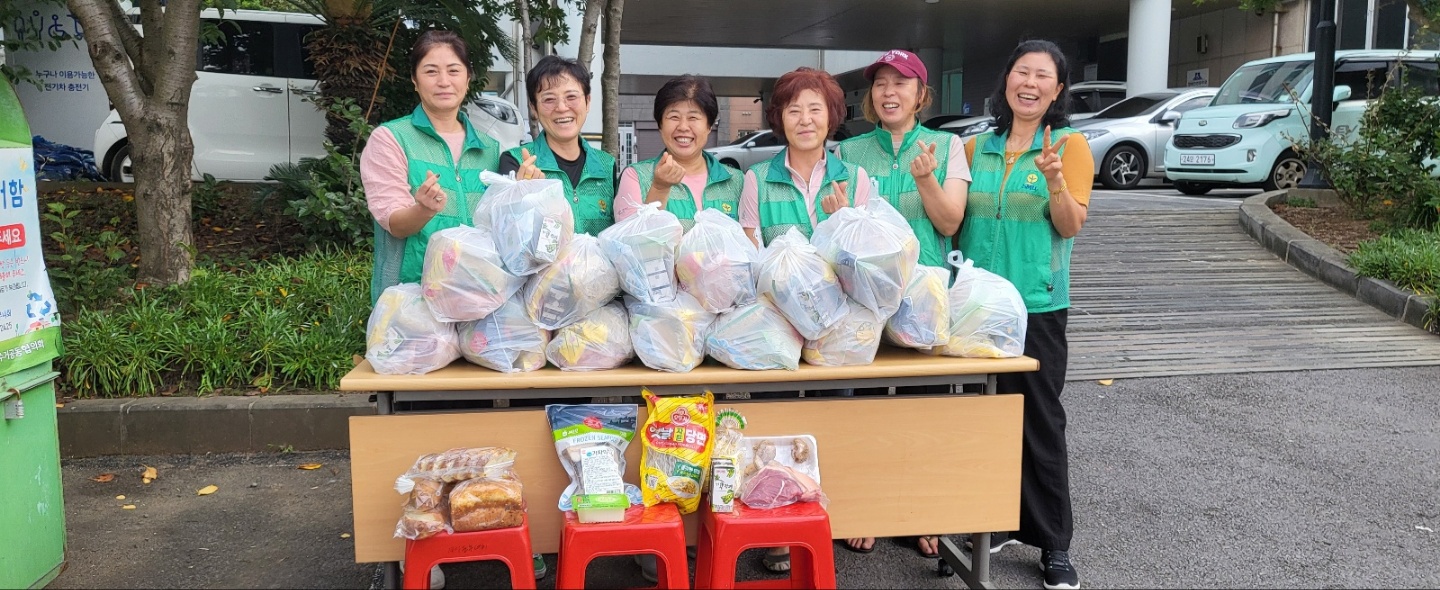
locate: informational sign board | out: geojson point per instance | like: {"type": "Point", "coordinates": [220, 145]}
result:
{"type": "Point", "coordinates": [29, 320]}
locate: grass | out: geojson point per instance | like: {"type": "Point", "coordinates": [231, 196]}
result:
{"type": "Point", "coordinates": [1410, 258]}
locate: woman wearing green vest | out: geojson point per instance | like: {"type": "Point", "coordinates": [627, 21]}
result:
{"type": "Point", "coordinates": [1032, 177]}
{"type": "Point", "coordinates": [559, 90]}
{"type": "Point", "coordinates": [684, 179]}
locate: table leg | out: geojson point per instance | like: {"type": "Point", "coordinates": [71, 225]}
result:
{"type": "Point", "coordinates": [384, 403]}
{"type": "Point", "coordinates": [976, 574]}
{"type": "Point", "coordinates": [390, 575]}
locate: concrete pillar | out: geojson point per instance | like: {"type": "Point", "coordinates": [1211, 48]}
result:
{"type": "Point", "coordinates": [934, 58]}
{"type": "Point", "coordinates": [1148, 62]}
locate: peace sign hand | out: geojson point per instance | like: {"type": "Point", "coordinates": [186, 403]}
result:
{"type": "Point", "coordinates": [527, 170]}
{"type": "Point", "coordinates": [924, 164]}
{"type": "Point", "coordinates": [430, 195]}
{"type": "Point", "coordinates": [839, 197]}
{"type": "Point", "coordinates": [1049, 159]}
{"type": "Point", "coordinates": [668, 172]}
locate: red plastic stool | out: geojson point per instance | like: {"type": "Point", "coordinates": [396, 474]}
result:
{"type": "Point", "coordinates": [804, 527]}
{"type": "Point", "coordinates": [656, 530]}
{"type": "Point", "coordinates": [509, 546]}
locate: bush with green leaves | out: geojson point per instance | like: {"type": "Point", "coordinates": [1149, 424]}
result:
{"type": "Point", "coordinates": [1410, 258]}
{"type": "Point", "coordinates": [325, 194]}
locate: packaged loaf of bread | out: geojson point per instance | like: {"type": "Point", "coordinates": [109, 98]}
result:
{"type": "Point", "coordinates": [491, 502]}
{"type": "Point", "coordinates": [456, 465]}
{"type": "Point", "coordinates": [419, 524]}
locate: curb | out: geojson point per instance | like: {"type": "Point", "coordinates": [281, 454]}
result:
{"type": "Point", "coordinates": [1327, 264]}
{"type": "Point", "coordinates": [172, 426]}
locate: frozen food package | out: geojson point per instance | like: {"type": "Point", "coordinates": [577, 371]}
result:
{"type": "Point", "coordinates": [669, 336]}
{"type": "Point", "coordinates": [675, 446]}
{"type": "Point", "coordinates": [755, 337]}
{"type": "Point", "coordinates": [463, 277]}
{"type": "Point", "coordinates": [873, 251]}
{"type": "Point", "coordinates": [591, 440]}
{"type": "Point", "coordinates": [801, 284]}
{"type": "Point", "coordinates": [851, 341]}
{"type": "Point", "coordinates": [716, 262]}
{"type": "Point", "coordinates": [923, 319]}
{"type": "Point", "coordinates": [642, 248]}
{"type": "Point", "coordinates": [580, 282]}
{"type": "Point", "coordinates": [598, 341]}
{"type": "Point", "coordinates": [505, 341]}
{"type": "Point", "coordinates": [780, 471]}
{"type": "Point", "coordinates": [402, 337]}
{"type": "Point", "coordinates": [530, 219]}
{"type": "Point", "coordinates": [987, 315]}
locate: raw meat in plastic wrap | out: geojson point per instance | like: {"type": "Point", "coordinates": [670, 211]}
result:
{"type": "Point", "coordinates": [642, 248]}
{"type": "Point", "coordinates": [716, 262]}
{"type": "Point", "coordinates": [504, 341]}
{"type": "Point", "coordinates": [801, 284]}
{"type": "Point", "coordinates": [776, 485]}
{"type": "Point", "coordinates": [599, 341]}
{"type": "Point", "coordinates": [402, 337]}
{"type": "Point", "coordinates": [669, 336]}
{"type": "Point", "coordinates": [580, 282]}
{"type": "Point", "coordinates": [987, 314]}
{"type": "Point", "coordinates": [851, 341]}
{"type": "Point", "coordinates": [463, 277]}
{"type": "Point", "coordinates": [923, 318]}
{"type": "Point", "coordinates": [873, 251]}
{"type": "Point", "coordinates": [591, 440]}
{"type": "Point", "coordinates": [755, 337]}
{"type": "Point", "coordinates": [531, 221]}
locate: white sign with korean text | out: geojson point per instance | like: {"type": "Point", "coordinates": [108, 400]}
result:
{"type": "Point", "coordinates": [28, 314]}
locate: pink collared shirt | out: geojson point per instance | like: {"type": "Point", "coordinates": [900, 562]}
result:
{"type": "Point", "coordinates": [385, 172]}
{"type": "Point", "coordinates": [628, 197]}
{"type": "Point", "coordinates": [809, 185]}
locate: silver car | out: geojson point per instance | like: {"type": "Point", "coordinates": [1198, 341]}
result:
{"type": "Point", "coordinates": [1128, 138]}
{"type": "Point", "coordinates": [756, 147]}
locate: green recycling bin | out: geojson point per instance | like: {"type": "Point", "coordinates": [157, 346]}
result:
{"type": "Point", "coordinates": [32, 508]}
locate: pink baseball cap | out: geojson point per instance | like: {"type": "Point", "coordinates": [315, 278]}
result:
{"type": "Point", "coordinates": [907, 63]}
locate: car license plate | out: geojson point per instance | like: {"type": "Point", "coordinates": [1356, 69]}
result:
{"type": "Point", "coordinates": [1197, 159]}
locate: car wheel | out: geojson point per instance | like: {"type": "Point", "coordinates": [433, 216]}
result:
{"type": "Point", "coordinates": [120, 166]}
{"type": "Point", "coordinates": [1123, 168]}
{"type": "Point", "coordinates": [731, 163]}
{"type": "Point", "coordinates": [1286, 173]}
{"type": "Point", "coordinates": [1192, 188]}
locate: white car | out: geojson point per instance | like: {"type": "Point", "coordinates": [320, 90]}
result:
{"type": "Point", "coordinates": [250, 107]}
{"type": "Point", "coordinates": [1086, 99]}
{"type": "Point", "coordinates": [754, 148]}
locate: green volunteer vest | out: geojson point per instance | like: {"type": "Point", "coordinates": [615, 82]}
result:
{"type": "Point", "coordinates": [782, 205]}
{"type": "Point", "coordinates": [722, 190]}
{"type": "Point", "coordinates": [592, 200]}
{"type": "Point", "coordinates": [400, 260]}
{"type": "Point", "coordinates": [1007, 228]}
{"type": "Point", "coordinates": [875, 153]}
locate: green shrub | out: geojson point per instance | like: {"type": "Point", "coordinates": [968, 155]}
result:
{"type": "Point", "coordinates": [325, 194]}
{"type": "Point", "coordinates": [83, 269]}
{"type": "Point", "coordinates": [1409, 258]}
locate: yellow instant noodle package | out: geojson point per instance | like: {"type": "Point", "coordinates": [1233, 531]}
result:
{"type": "Point", "coordinates": [677, 444]}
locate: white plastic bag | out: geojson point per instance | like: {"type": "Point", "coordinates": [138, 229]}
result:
{"type": "Point", "coordinates": [754, 337]}
{"type": "Point", "coordinates": [598, 341]}
{"type": "Point", "coordinates": [873, 251]}
{"type": "Point", "coordinates": [642, 248]}
{"type": "Point", "coordinates": [580, 282]}
{"type": "Point", "coordinates": [923, 319]}
{"type": "Point", "coordinates": [801, 284]}
{"type": "Point", "coordinates": [987, 314]}
{"type": "Point", "coordinates": [531, 220]}
{"type": "Point", "coordinates": [669, 336]}
{"type": "Point", "coordinates": [851, 341]}
{"type": "Point", "coordinates": [463, 277]}
{"type": "Point", "coordinates": [716, 262]}
{"type": "Point", "coordinates": [504, 341]}
{"type": "Point", "coordinates": [402, 337]}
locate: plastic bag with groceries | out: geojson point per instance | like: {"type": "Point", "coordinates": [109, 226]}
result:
{"type": "Point", "coordinates": [987, 314]}
{"type": "Point", "coordinates": [642, 248]}
{"type": "Point", "coordinates": [669, 336]}
{"type": "Point", "coordinates": [873, 251]}
{"type": "Point", "coordinates": [531, 220]}
{"type": "Point", "coordinates": [463, 277]}
{"type": "Point", "coordinates": [598, 341]}
{"type": "Point", "coordinates": [754, 337]}
{"type": "Point", "coordinates": [402, 337]}
{"type": "Point", "coordinates": [801, 284]}
{"type": "Point", "coordinates": [851, 341]}
{"type": "Point", "coordinates": [504, 341]}
{"type": "Point", "coordinates": [716, 262]}
{"type": "Point", "coordinates": [581, 281]}
{"type": "Point", "coordinates": [923, 318]}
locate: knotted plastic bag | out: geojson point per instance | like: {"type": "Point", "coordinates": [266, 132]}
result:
{"type": "Point", "coordinates": [463, 277]}
{"type": "Point", "coordinates": [531, 220]}
{"type": "Point", "coordinates": [987, 314]}
{"type": "Point", "coordinates": [923, 318]}
{"type": "Point", "coordinates": [402, 337]}
{"type": "Point", "coordinates": [851, 341]}
{"type": "Point", "coordinates": [716, 262]}
{"type": "Point", "coordinates": [873, 251]}
{"type": "Point", "coordinates": [598, 341]}
{"type": "Point", "coordinates": [754, 337]}
{"type": "Point", "coordinates": [580, 282]}
{"type": "Point", "coordinates": [642, 248]}
{"type": "Point", "coordinates": [669, 336]}
{"type": "Point", "coordinates": [801, 284]}
{"type": "Point", "coordinates": [504, 341]}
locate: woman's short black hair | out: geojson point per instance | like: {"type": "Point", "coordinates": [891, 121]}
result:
{"type": "Point", "coordinates": [685, 88]}
{"type": "Point", "coordinates": [551, 68]}
{"type": "Point", "coordinates": [434, 38]}
{"type": "Point", "coordinates": [1058, 115]}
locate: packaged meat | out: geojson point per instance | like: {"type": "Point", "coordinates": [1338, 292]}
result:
{"type": "Point", "coordinates": [531, 221]}
{"type": "Point", "coordinates": [873, 251]}
{"type": "Point", "coordinates": [504, 341]}
{"type": "Point", "coordinates": [463, 277]}
{"type": "Point", "coordinates": [642, 248]}
{"type": "Point", "coordinates": [598, 341]}
{"type": "Point", "coordinates": [987, 314]}
{"type": "Point", "coordinates": [801, 284]}
{"type": "Point", "coordinates": [669, 336]}
{"type": "Point", "coordinates": [455, 465]}
{"type": "Point", "coordinates": [492, 502]}
{"type": "Point", "coordinates": [402, 337]}
{"type": "Point", "coordinates": [591, 440]}
{"type": "Point", "coordinates": [923, 319]}
{"type": "Point", "coordinates": [851, 341]}
{"type": "Point", "coordinates": [676, 449]}
{"type": "Point", "coordinates": [716, 263]}
{"type": "Point", "coordinates": [779, 471]}
{"type": "Point", "coordinates": [755, 337]}
{"type": "Point", "coordinates": [580, 282]}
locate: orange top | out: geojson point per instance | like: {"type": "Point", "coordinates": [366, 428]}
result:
{"type": "Point", "coordinates": [1077, 166]}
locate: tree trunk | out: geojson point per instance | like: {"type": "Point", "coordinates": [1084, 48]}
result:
{"type": "Point", "coordinates": [591, 20]}
{"type": "Point", "coordinates": [527, 44]}
{"type": "Point", "coordinates": [610, 82]}
{"type": "Point", "coordinates": [1420, 14]}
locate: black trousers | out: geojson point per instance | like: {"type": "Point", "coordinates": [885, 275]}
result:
{"type": "Point", "coordinates": [1046, 520]}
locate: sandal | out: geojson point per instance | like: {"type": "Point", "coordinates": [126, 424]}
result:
{"type": "Point", "coordinates": [846, 544]}
{"type": "Point", "coordinates": [777, 563]}
{"type": "Point", "coordinates": [934, 555]}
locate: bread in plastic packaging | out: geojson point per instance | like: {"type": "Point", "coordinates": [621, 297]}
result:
{"type": "Point", "coordinates": [531, 221]}
{"type": "Point", "coordinates": [873, 251]}
{"type": "Point", "coordinates": [754, 337]}
{"type": "Point", "coordinates": [642, 248]}
{"type": "Point", "coordinates": [580, 282]}
{"type": "Point", "coordinates": [430, 499]}
{"type": "Point", "coordinates": [421, 524]}
{"type": "Point", "coordinates": [402, 337]}
{"type": "Point", "coordinates": [463, 277]}
{"type": "Point", "coordinates": [505, 341]}
{"type": "Point", "coordinates": [455, 465]}
{"type": "Point", "coordinates": [851, 341]}
{"type": "Point", "coordinates": [490, 502]}
{"type": "Point", "coordinates": [987, 315]}
{"type": "Point", "coordinates": [716, 262]}
{"type": "Point", "coordinates": [801, 284]}
{"type": "Point", "coordinates": [923, 318]}
{"type": "Point", "coordinates": [598, 341]}
{"type": "Point", "coordinates": [669, 336]}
